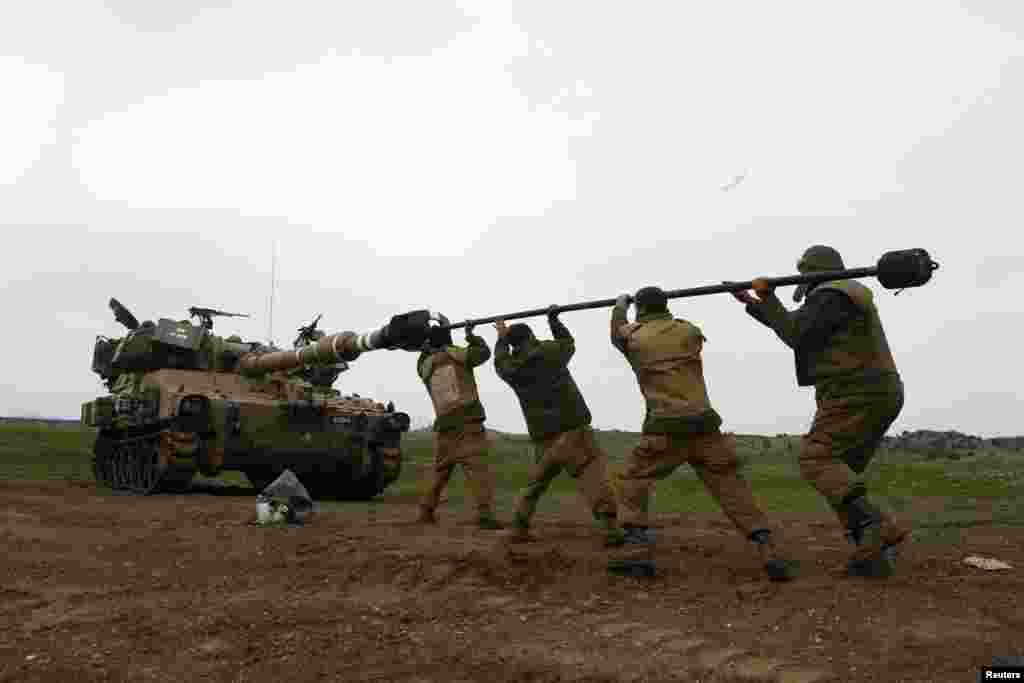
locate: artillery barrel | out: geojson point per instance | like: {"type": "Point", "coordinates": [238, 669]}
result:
{"type": "Point", "coordinates": [343, 346]}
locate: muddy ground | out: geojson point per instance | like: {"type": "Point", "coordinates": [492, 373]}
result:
{"type": "Point", "coordinates": [102, 587]}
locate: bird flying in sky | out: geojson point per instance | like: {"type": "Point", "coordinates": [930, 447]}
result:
{"type": "Point", "coordinates": [736, 180]}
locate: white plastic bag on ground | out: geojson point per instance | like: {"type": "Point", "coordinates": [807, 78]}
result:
{"type": "Point", "coordinates": [986, 563]}
{"type": "Point", "coordinates": [284, 501]}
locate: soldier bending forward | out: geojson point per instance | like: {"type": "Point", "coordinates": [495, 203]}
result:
{"type": "Point", "coordinates": [557, 419]}
{"type": "Point", "coordinates": [459, 434]}
{"type": "Point", "coordinates": [840, 348]}
{"type": "Point", "coordinates": [680, 426]}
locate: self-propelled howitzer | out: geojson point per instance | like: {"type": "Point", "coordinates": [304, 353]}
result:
{"type": "Point", "coordinates": [184, 400]}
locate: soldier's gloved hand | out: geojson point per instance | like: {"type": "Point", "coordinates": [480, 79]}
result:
{"type": "Point", "coordinates": [743, 296]}
{"type": "Point", "coordinates": [623, 301]}
{"type": "Point", "coordinates": [469, 328]}
{"type": "Point", "coordinates": [762, 288]}
{"type": "Point", "coordinates": [552, 311]}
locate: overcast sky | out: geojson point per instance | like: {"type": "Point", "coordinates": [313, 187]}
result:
{"type": "Point", "coordinates": [484, 157]}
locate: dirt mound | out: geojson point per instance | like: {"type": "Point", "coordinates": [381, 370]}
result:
{"type": "Point", "coordinates": [182, 587]}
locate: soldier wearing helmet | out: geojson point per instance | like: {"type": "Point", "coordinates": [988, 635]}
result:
{"type": "Point", "coordinates": [840, 348]}
{"type": "Point", "coordinates": [557, 419]}
{"type": "Point", "coordinates": [460, 437]}
{"type": "Point", "coordinates": [681, 426]}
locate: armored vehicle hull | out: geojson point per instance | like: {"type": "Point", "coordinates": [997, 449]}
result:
{"type": "Point", "coordinates": [183, 401]}
{"type": "Point", "coordinates": [182, 422]}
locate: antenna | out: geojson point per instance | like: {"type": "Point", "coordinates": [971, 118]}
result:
{"type": "Point", "coordinates": [273, 285]}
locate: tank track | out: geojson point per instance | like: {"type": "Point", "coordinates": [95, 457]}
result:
{"type": "Point", "coordinates": [132, 463]}
{"type": "Point", "coordinates": [347, 486]}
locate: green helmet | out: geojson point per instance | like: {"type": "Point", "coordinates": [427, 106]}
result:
{"type": "Point", "coordinates": [650, 300]}
{"type": "Point", "coordinates": [519, 334]}
{"type": "Point", "coordinates": [818, 258]}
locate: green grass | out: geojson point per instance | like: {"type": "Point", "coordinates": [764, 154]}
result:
{"type": "Point", "coordinates": [43, 451]}
{"type": "Point", "coordinates": [897, 476]}
{"type": "Point", "coordinates": [40, 451]}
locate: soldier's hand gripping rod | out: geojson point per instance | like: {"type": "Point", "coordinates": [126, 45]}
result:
{"type": "Point", "coordinates": [895, 270]}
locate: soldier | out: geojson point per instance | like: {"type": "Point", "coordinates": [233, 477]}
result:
{"type": "Point", "coordinates": [557, 419]}
{"type": "Point", "coordinates": [460, 437]}
{"type": "Point", "coordinates": [840, 347]}
{"type": "Point", "coordinates": [680, 426]}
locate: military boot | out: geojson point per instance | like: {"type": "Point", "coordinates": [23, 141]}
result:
{"type": "Point", "coordinates": [486, 520]}
{"type": "Point", "coordinates": [426, 516]}
{"type": "Point", "coordinates": [876, 539]}
{"type": "Point", "coordinates": [776, 566]}
{"type": "Point", "coordinates": [634, 556]}
{"type": "Point", "coordinates": [613, 535]}
{"type": "Point", "coordinates": [892, 533]}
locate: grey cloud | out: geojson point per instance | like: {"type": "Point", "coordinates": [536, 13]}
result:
{"type": "Point", "coordinates": [155, 15]}
{"type": "Point", "coordinates": [997, 269]}
{"type": "Point", "coordinates": [113, 59]}
{"type": "Point", "coordinates": [1008, 16]}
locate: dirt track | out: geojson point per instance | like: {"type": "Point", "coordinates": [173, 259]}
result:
{"type": "Point", "coordinates": [181, 588]}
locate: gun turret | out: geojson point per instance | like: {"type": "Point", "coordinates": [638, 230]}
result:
{"type": "Point", "coordinates": [205, 315]}
{"type": "Point", "coordinates": [123, 315]}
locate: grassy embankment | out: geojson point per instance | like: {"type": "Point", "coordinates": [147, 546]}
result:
{"type": "Point", "coordinates": [40, 451]}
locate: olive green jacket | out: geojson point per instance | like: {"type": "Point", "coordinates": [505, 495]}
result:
{"type": "Point", "coordinates": [837, 338]}
{"type": "Point", "coordinates": [539, 375]}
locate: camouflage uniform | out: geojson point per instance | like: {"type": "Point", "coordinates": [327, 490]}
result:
{"type": "Point", "coordinates": [840, 348]}
{"type": "Point", "coordinates": [558, 421]}
{"type": "Point", "coordinates": [680, 427]}
{"type": "Point", "coordinates": [459, 434]}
